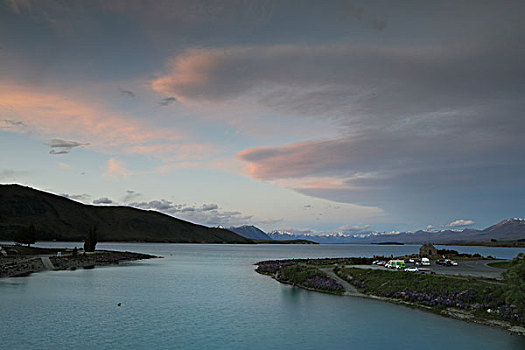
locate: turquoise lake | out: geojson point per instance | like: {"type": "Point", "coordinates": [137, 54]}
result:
{"type": "Point", "coordinates": [209, 297]}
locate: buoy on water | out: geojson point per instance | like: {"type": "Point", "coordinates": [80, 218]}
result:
{"type": "Point", "coordinates": [119, 304]}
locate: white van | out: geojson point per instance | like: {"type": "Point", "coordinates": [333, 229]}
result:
{"type": "Point", "coordinates": [425, 262]}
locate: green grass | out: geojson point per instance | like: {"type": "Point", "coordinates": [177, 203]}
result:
{"type": "Point", "coordinates": [438, 292]}
{"type": "Point", "coordinates": [500, 264]}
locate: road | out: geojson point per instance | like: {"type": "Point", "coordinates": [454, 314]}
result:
{"type": "Point", "coordinates": [349, 289]}
{"type": "Point", "coordinates": [475, 268]}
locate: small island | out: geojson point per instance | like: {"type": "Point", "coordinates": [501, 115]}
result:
{"type": "Point", "coordinates": [488, 301]}
{"type": "Point", "coordinates": [17, 260]}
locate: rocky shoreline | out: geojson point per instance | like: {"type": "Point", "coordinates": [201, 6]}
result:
{"type": "Point", "coordinates": [18, 261]}
{"type": "Point", "coordinates": [280, 270]}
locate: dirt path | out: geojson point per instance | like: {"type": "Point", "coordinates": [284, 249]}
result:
{"type": "Point", "coordinates": [47, 263]}
{"type": "Point", "coordinates": [349, 289]}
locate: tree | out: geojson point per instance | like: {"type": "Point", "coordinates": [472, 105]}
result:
{"type": "Point", "coordinates": [515, 281]}
{"type": "Point", "coordinates": [25, 235]}
{"type": "Point", "coordinates": [91, 240]}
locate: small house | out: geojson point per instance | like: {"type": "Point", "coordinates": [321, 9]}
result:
{"type": "Point", "coordinates": [428, 250]}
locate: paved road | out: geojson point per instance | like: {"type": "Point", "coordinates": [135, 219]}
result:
{"type": "Point", "coordinates": [476, 268]}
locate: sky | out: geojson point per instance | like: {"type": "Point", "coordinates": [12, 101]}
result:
{"type": "Point", "coordinates": [318, 116]}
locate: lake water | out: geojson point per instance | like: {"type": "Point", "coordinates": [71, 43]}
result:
{"type": "Point", "coordinates": [209, 297]}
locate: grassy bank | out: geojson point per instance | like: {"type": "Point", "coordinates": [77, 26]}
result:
{"type": "Point", "coordinates": [503, 244]}
{"type": "Point", "coordinates": [500, 264]}
{"type": "Point", "coordinates": [482, 300]}
{"type": "Point", "coordinates": [298, 273]}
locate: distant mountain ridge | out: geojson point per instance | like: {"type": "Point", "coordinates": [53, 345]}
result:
{"type": "Point", "coordinates": [61, 219]}
{"type": "Point", "coordinates": [506, 230]}
{"type": "Point", "coordinates": [251, 232]}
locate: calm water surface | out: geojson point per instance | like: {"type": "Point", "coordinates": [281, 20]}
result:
{"type": "Point", "coordinates": [209, 297]}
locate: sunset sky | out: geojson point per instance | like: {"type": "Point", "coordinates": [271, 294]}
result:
{"type": "Point", "coordinates": [321, 116]}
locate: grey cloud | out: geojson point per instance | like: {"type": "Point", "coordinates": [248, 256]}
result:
{"type": "Point", "coordinates": [9, 123]}
{"type": "Point", "coordinates": [353, 10]}
{"type": "Point", "coordinates": [78, 197]}
{"type": "Point", "coordinates": [425, 124]}
{"type": "Point", "coordinates": [167, 101]}
{"type": "Point", "coordinates": [379, 24]}
{"type": "Point", "coordinates": [131, 195]}
{"type": "Point", "coordinates": [207, 214]}
{"type": "Point", "coordinates": [63, 146]}
{"type": "Point", "coordinates": [347, 229]}
{"type": "Point", "coordinates": [103, 200]}
{"type": "Point", "coordinates": [207, 207]}
{"type": "Point", "coordinates": [353, 82]}
{"type": "Point", "coordinates": [127, 93]}
{"type": "Point", "coordinates": [170, 207]}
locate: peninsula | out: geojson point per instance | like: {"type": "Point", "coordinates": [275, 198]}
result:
{"type": "Point", "coordinates": [17, 261]}
{"type": "Point", "coordinates": [488, 301]}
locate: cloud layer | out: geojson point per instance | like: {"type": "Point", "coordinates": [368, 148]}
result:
{"type": "Point", "coordinates": [59, 146]}
{"type": "Point", "coordinates": [206, 214]}
{"type": "Point", "coordinates": [412, 118]}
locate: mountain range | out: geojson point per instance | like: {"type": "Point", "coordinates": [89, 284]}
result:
{"type": "Point", "coordinates": [506, 230]}
{"type": "Point", "coordinates": [58, 218]}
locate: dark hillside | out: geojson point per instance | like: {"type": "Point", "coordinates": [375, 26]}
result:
{"type": "Point", "coordinates": [59, 218]}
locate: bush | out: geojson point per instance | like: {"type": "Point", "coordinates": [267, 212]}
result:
{"type": "Point", "coordinates": [25, 235]}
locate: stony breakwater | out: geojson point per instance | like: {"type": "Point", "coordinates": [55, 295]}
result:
{"type": "Point", "coordinates": [19, 261]}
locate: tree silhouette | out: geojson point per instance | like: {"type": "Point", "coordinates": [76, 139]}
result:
{"type": "Point", "coordinates": [25, 235]}
{"type": "Point", "coordinates": [91, 240]}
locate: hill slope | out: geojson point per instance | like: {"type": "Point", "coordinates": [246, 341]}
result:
{"type": "Point", "coordinates": [58, 218]}
{"type": "Point", "coordinates": [251, 232]}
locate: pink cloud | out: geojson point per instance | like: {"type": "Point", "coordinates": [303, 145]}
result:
{"type": "Point", "coordinates": [175, 152]}
{"type": "Point", "coordinates": [116, 168]}
{"type": "Point", "coordinates": [292, 161]}
{"type": "Point", "coordinates": [55, 115]}
{"type": "Point", "coordinates": [52, 113]}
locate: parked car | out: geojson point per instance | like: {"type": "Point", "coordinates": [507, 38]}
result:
{"type": "Point", "coordinates": [425, 261]}
{"type": "Point", "coordinates": [412, 269]}
{"type": "Point", "coordinates": [450, 263]}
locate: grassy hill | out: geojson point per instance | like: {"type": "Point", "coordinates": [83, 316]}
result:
{"type": "Point", "coordinates": [61, 219]}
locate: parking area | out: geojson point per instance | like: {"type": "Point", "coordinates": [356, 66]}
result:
{"type": "Point", "coordinates": [476, 268]}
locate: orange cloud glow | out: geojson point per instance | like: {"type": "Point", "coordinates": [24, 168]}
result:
{"type": "Point", "coordinates": [116, 169]}
{"type": "Point", "coordinates": [50, 114]}
{"type": "Point", "coordinates": [53, 114]}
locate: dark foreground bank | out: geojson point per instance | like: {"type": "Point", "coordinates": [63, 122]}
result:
{"type": "Point", "coordinates": [492, 302]}
{"type": "Point", "coordinates": [18, 261]}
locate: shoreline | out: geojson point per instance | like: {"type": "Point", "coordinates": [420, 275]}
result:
{"type": "Point", "coordinates": [454, 312]}
{"type": "Point", "coordinates": [21, 261]}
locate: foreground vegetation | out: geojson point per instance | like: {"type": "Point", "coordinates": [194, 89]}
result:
{"type": "Point", "coordinates": [479, 297]}
{"type": "Point", "coordinates": [520, 243]}
{"type": "Point", "coordinates": [483, 300]}
{"type": "Point", "coordinates": [301, 273]}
